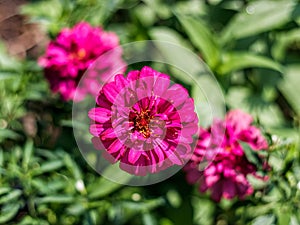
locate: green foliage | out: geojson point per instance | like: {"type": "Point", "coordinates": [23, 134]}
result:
{"type": "Point", "coordinates": [258, 17]}
{"type": "Point", "coordinates": [203, 39]}
{"type": "Point", "coordinates": [41, 184]}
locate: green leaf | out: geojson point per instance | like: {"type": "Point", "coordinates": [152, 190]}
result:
{"type": "Point", "coordinates": [74, 124]}
{"type": "Point", "coordinates": [8, 65]}
{"type": "Point", "coordinates": [145, 15]}
{"type": "Point", "coordinates": [8, 212]}
{"type": "Point", "coordinates": [49, 10]}
{"type": "Point", "coordinates": [283, 215]}
{"type": "Point", "coordinates": [169, 35]}
{"type": "Point", "coordinates": [73, 168]}
{"type": "Point", "coordinates": [182, 63]}
{"type": "Point", "coordinates": [7, 74]}
{"type": "Point", "coordinates": [145, 206]}
{"type": "Point", "coordinates": [240, 60]}
{"type": "Point", "coordinates": [174, 198]}
{"type": "Point", "coordinates": [6, 133]}
{"type": "Point", "coordinates": [1, 157]}
{"type": "Point", "coordinates": [243, 98]}
{"type": "Point", "coordinates": [165, 221]}
{"type": "Point", "coordinates": [26, 220]}
{"type": "Point", "coordinates": [76, 209]}
{"type": "Point", "coordinates": [10, 196]}
{"type": "Point", "coordinates": [294, 220]}
{"type": "Point", "coordinates": [122, 211]}
{"type": "Point", "coordinates": [202, 39]}
{"type": "Point", "coordinates": [208, 106]}
{"type": "Point", "coordinates": [49, 187]}
{"type": "Point", "coordinates": [48, 167]}
{"type": "Point", "coordinates": [27, 154]}
{"type": "Point", "coordinates": [250, 154]}
{"type": "Point", "coordinates": [197, 8]}
{"type": "Point", "coordinates": [290, 85]}
{"type": "Point", "coordinates": [4, 190]}
{"type": "Point", "coordinates": [254, 211]}
{"type": "Point", "coordinates": [276, 163]}
{"type": "Point", "coordinates": [188, 66]}
{"type": "Point", "coordinates": [283, 40]}
{"type": "Point", "coordinates": [162, 10]}
{"type": "Point", "coordinates": [203, 211]}
{"type": "Point", "coordinates": [149, 219]}
{"type": "Point", "coordinates": [55, 199]}
{"type": "Point", "coordinates": [103, 10]}
{"type": "Point", "coordinates": [50, 155]}
{"type": "Point", "coordinates": [264, 220]}
{"type": "Point", "coordinates": [256, 182]}
{"type": "Point", "coordinates": [257, 17]}
{"type": "Point", "coordinates": [101, 188]}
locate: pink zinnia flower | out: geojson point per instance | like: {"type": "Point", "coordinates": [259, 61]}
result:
{"type": "Point", "coordinates": [144, 122]}
{"type": "Point", "coordinates": [219, 162]}
{"type": "Point", "coordinates": [73, 52]}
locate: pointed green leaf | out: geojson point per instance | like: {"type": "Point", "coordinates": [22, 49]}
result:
{"type": "Point", "coordinates": [1, 157]}
{"type": "Point", "coordinates": [8, 212]}
{"type": "Point", "coordinates": [101, 188]}
{"type": "Point", "coordinates": [149, 219]}
{"type": "Point", "coordinates": [10, 196]}
{"type": "Point", "coordinates": [72, 166]}
{"type": "Point", "coordinates": [27, 154]}
{"type": "Point", "coordinates": [169, 35]}
{"type": "Point", "coordinates": [290, 85]}
{"type": "Point", "coordinates": [202, 38]}
{"type": "Point", "coordinates": [4, 190]}
{"type": "Point", "coordinates": [284, 40]}
{"type": "Point", "coordinates": [6, 133]}
{"type": "Point", "coordinates": [241, 60]}
{"type": "Point", "coordinates": [48, 167]}
{"type": "Point", "coordinates": [55, 199]}
{"type": "Point", "coordinates": [264, 220]}
{"type": "Point", "coordinates": [161, 9]}
{"type": "Point", "coordinates": [7, 74]}
{"type": "Point", "coordinates": [257, 17]}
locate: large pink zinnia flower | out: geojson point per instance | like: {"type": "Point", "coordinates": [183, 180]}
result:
{"type": "Point", "coordinates": [219, 162]}
{"type": "Point", "coordinates": [144, 122]}
{"type": "Point", "coordinates": [72, 53]}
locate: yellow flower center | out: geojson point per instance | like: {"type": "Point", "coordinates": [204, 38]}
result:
{"type": "Point", "coordinates": [141, 123]}
{"type": "Point", "coordinates": [80, 54]}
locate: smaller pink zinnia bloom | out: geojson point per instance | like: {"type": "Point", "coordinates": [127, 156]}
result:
{"type": "Point", "coordinates": [144, 122]}
{"type": "Point", "coordinates": [73, 51]}
{"type": "Point", "coordinates": [219, 162]}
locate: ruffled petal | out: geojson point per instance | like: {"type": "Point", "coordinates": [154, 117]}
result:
{"type": "Point", "coordinates": [100, 115]}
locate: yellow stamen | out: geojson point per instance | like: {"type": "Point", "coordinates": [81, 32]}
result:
{"type": "Point", "coordinates": [81, 53]}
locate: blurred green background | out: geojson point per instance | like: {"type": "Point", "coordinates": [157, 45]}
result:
{"type": "Point", "coordinates": [252, 48]}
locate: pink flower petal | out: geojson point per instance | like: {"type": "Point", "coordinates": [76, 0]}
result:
{"type": "Point", "coordinates": [96, 129]}
{"type": "Point", "coordinates": [100, 115]}
{"type": "Point", "coordinates": [133, 156]}
{"type": "Point", "coordinates": [72, 53]}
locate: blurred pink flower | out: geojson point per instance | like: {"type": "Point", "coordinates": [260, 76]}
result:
{"type": "Point", "coordinates": [144, 122]}
{"type": "Point", "coordinates": [219, 162]}
{"type": "Point", "coordinates": [73, 51]}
